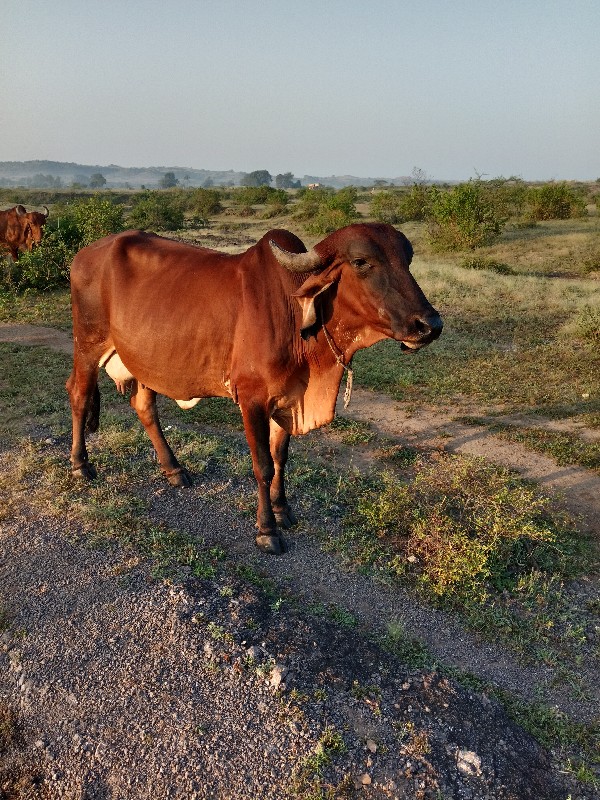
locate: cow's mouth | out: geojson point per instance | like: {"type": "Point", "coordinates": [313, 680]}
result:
{"type": "Point", "coordinates": [411, 347]}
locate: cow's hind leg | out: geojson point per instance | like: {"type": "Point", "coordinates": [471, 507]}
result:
{"type": "Point", "coordinates": [143, 400]}
{"type": "Point", "coordinates": [256, 426]}
{"type": "Point", "coordinates": [84, 396]}
{"type": "Point", "coordinates": [279, 441]}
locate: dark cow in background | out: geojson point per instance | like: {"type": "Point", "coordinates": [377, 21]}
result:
{"type": "Point", "coordinates": [273, 328]}
{"type": "Point", "coordinates": [21, 229]}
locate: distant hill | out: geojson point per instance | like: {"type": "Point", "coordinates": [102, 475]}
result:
{"type": "Point", "coordinates": [54, 174]}
{"type": "Point", "coordinates": [59, 173]}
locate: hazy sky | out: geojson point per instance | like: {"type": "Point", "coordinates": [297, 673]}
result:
{"type": "Point", "coordinates": [370, 88]}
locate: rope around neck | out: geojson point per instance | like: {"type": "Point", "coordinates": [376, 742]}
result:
{"type": "Point", "coordinates": [350, 376]}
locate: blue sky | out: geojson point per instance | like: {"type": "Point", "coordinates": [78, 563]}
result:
{"type": "Point", "coordinates": [325, 87]}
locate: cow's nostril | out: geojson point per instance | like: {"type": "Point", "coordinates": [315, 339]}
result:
{"type": "Point", "coordinates": [430, 327]}
{"type": "Point", "coordinates": [422, 326]}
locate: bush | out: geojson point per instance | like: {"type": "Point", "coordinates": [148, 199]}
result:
{"type": "Point", "coordinates": [204, 203]}
{"type": "Point", "coordinates": [385, 207]}
{"type": "Point", "coordinates": [324, 211]}
{"type": "Point", "coordinates": [259, 195]}
{"type": "Point", "coordinates": [463, 218]}
{"type": "Point", "coordinates": [46, 267]}
{"type": "Point", "coordinates": [466, 527]}
{"type": "Point", "coordinates": [554, 201]}
{"type": "Point", "coordinates": [94, 219]}
{"type": "Point", "coordinates": [158, 212]}
{"type": "Point", "coordinates": [400, 206]}
{"type": "Point", "coordinates": [477, 262]}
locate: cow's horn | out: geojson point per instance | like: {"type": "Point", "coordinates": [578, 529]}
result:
{"type": "Point", "coordinates": [296, 262]}
{"type": "Point", "coordinates": [47, 212]}
{"type": "Point", "coordinates": [20, 210]}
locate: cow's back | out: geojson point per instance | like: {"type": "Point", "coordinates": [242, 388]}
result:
{"type": "Point", "coordinates": [168, 309]}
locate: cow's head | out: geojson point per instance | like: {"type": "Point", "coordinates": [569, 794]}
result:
{"type": "Point", "coordinates": [32, 225]}
{"type": "Point", "coordinates": [368, 264]}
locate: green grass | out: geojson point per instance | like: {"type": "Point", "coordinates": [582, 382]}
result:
{"type": "Point", "coordinates": [307, 778]}
{"type": "Point", "coordinates": [51, 308]}
{"type": "Point", "coordinates": [32, 390]}
{"type": "Point", "coordinates": [352, 431]}
{"type": "Point", "coordinates": [516, 340]}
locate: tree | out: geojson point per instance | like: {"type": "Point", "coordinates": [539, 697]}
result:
{"type": "Point", "coordinates": [260, 177]}
{"type": "Point", "coordinates": [97, 180]}
{"type": "Point", "coordinates": [286, 181]}
{"type": "Point", "coordinates": [168, 181]}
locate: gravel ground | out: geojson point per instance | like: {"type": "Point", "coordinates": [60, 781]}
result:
{"type": "Point", "coordinates": [124, 686]}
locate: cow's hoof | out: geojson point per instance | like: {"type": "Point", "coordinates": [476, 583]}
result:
{"type": "Point", "coordinates": [270, 543]}
{"type": "Point", "coordinates": [286, 519]}
{"type": "Point", "coordinates": [86, 472]}
{"type": "Point", "coordinates": [179, 477]}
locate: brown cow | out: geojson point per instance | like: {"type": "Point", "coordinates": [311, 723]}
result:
{"type": "Point", "coordinates": [21, 229]}
{"type": "Point", "coordinates": [273, 328]}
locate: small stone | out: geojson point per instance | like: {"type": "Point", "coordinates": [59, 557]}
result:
{"type": "Point", "coordinates": [278, 673]}
{"type": "Point", "coordinates": [365, 779]}
{"type": "Point", "coordinates": [371, 746]}
{"type": "Point", "coordinates": [468, 762]}
{"type": "Point", "coordinates": [209, 650]}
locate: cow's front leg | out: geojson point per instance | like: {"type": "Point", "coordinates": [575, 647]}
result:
{"type": "Point", "coordinates": [143, 400]}
{"type": "Point", "coordinates": [256, 426]}
{"type": "Point", "coordinates": [279, 441]}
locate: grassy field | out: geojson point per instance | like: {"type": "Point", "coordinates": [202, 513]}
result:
{"type": "Point", "coordinates": [522, 328]}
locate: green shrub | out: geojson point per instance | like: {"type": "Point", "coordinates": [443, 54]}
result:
{"type": "Point", "coordinates": [95, 218]}
{"type": "Point", "coordinates": [157, 211]}
{"type": "Point", "coordinates": [463, 218]}
{"type": "Point", "coordinates": [46, 267]}
{"type": "Point", "coordinates": [477, 262]}
{"type": "Point", "coordinates": [385, 207]}
{"type": "Point", "coordinates": [400, 206]}
{"type": "Point", "coordinates": [464, 527]}
{"type": "Point", "coordinates": [554, 201]}
{"type": "Point", "coordinates": [323, 210]}
{"type": "Point", "coordinates": [204, 203]}
{"type": "Point", "coordinates": [259, 195]}
{"type": "Point", "coordinates": [414, 203]}
{"type": "Point", "coordinates": [509, 195]}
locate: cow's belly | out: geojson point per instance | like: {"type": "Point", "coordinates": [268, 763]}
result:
{"type": "Point", "coordinates": [185, 396]}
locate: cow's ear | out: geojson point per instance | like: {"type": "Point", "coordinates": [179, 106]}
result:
{"type": "Point", "coordinates": [307, 295]}
{"type": "Point", "coordinates": [408, 250]}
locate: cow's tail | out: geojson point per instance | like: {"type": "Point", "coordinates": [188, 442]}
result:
{"type": "Point", "coordinates": [92, 417]}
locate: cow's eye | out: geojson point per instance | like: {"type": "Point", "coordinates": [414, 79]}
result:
{"type": "Point", "coordinates": [361, 264]}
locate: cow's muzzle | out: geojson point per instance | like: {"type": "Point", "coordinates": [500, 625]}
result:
{"type": "Point", "coordinates": [427, 328]}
